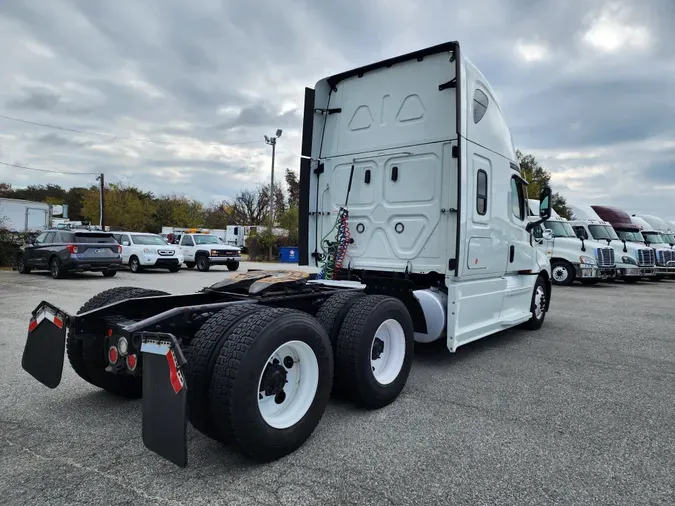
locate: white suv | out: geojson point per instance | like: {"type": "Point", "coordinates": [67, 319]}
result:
{"type": "Point", "coordinates": [142, 251]}
{"type": "Point", "coordinates": [204, 250]}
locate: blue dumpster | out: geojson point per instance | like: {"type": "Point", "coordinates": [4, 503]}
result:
{"type": "Point", "coordinates": [288, 254]}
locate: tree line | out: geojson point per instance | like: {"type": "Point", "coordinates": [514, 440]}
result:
{"type": "Point", "coordinates": [131, 208]}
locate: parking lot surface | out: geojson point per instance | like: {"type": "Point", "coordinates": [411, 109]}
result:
{"type": "Point", "coordinates": [580, 412]}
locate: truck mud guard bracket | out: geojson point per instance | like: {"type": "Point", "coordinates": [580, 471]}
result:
{"type": "Point", "coordinates": [164, 397]}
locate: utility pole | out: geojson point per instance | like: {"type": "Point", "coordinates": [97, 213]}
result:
{"type": "Point", "coordinates": [102, 201]}
{"type": "Point", "coordinates": [272, 142]}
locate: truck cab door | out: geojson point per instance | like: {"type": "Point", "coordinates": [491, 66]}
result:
{"type": "Point", "coordinates": [521, 253]}
{"type": "Point", "coordinates": [187, 247]}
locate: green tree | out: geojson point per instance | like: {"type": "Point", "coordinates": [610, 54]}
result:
{"type": "Point", "coordinates": [289, 221]}
{"type": "Point", "coordinates": [539, 178]}
{"type": "Point", "coordinates": [293, 187]}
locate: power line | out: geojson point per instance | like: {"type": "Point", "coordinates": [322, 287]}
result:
{"type": "Point", "coordinates": [123, 138]}
{"type": "Point", "coordinates": [48, 170]}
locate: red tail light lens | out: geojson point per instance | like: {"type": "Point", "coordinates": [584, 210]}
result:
{"type": "Point", "coordinates": [132, 361]}
{"type": "Point", "coordinates": [72, 248]}
{"type": "Point", "coordinates": [119, 249]}
{"type": "Point", "coordinates": [113, 355]}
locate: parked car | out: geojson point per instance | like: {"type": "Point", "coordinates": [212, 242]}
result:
{"type": "Point", "coordinates": [148, 251]}
{"type": "Point", "coordinates": [63, 252]}
{"type": "Point", "coordinates": [204, 250]}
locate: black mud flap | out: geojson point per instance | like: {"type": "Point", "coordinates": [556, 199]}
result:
{"type": "Point", "coordinates": [164, 397]}
{"type": "Point", "coordinates": [45, 344]}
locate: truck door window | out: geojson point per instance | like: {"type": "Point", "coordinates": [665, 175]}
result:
{"type": "Point", "coordinates": [517, 199]}
{"type": "Point", "coordinates": [580, 231]}
{"type": "Point", "coordinates": [481, 192]}
{"type": "Point", "coordinates": [187, 241]}
{"type": "Point", "coordinates": [236, 230]}
{"type": "Point", "coordinates": [537, 232]}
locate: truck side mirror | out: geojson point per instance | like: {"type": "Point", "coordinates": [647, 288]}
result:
{"type": "Point", "coordinates": [545, 203]}
{"type": "Point", "coordinates": [548, 234]}
{"type": "Point", "coordinates": [125, 243]}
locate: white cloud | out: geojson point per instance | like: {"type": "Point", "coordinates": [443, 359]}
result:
{"type": "Point", "coordinates": [532, 51]}
{"type": "Point", "coordinates": [611, 31]}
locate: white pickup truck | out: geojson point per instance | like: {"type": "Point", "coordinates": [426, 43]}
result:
{"type": "Point", "coordinates": [204, 250]}
{"type": "Point", "coordinates": [147, 251]}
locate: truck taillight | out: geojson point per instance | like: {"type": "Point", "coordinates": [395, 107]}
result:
{"type": "Point", "coordinates": [72, 248]}
{"type": "Point", "coordinates": [113, 355]}
{"type": "Point", "coordinates": [132, 361]}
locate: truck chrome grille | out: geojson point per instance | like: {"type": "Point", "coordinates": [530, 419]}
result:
{"type": "Point", "coordinates": [665, 256]}
{"type": "Point", "coordinates": [605, 257]}
{"type": "Point", "coordinates": [646, 257]}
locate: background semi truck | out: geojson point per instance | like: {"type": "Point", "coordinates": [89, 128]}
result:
{"type": "Point", "coordinates": [572, 257]}
{"type": "Point", "coordinates": [661, 226]}
{"type": "Point", "coordinates": [630, 233]}
{"type": "Point", "coordinates": [665, 255]}
{"type": "Point", "coordinates": [404, 168]}
{"type": "Point", "coordinates": [632, 260]}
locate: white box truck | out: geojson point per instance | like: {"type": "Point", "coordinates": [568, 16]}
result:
{"type": "Point", "coordinates": [24, 216]}
{"type": "Point", "coordinates": [574, 257]}
{"type": "Point", "coordinates": [633, 261]}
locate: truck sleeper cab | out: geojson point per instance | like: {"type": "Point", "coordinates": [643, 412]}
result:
{"type": "Point", "coordinates": [574, 258]}
{"type": "Point", "coordinates": [412, 204]}
{"type": "Point", "coordinates": [629, 234]}
{"type": "Point", "coordinates": [408, 160]}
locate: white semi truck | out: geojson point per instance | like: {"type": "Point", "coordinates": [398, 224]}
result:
{"type": "Point", "coordinates": [633, 261]}
{"type": "Point", "coordinates": [413, 206]}
{"type": "Point", "coordinates": [630, 234]}
{"type": "Point", "coordinates": [573, 257]}
{"type": "Point", "coordinates": [665, 255]}
{"type": "Point", "coordinates": [666, 230]}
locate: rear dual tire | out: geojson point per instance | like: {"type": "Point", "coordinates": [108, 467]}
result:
{"type": "Point", "coordinates": [260, 379]}
{"type": "Point", "coordinates": [373, 343]}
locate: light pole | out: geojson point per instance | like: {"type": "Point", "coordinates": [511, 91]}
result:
{"type": "Point", "coordinates": [272, 142]}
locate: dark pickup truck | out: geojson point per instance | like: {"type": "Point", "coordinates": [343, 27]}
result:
{"type": "Point", "coordinates": [62, 252]}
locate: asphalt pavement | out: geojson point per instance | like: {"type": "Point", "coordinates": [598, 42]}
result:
{"type": "Point", "coordinates": [580, 412]}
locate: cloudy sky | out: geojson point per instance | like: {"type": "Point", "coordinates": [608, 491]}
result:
{"type": "Point", "coordinates": [583, 84]}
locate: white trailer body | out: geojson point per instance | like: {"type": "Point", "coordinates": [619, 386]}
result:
{"type": "Point", "coordinates": [24, 216]}
{"type": "Point", "coordinates": [418, 151]}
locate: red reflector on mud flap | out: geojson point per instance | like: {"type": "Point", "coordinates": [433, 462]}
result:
{"type": "Point", "coordinates": [175, 378]}
{"type": "Point", "coordinates": [32, 325]}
